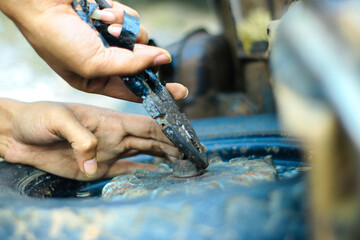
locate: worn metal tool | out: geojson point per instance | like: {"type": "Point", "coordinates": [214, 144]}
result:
{"type": "Point", "coordinates": [156, 98]}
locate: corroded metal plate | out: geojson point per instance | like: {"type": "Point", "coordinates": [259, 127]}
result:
{"type": "Point", "coordinates": [219, 175]}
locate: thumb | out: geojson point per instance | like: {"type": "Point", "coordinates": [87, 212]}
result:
{"type": "Point", "coordinates": [122, 62]}
{"type": "Point", "coordinates": [82, 141]}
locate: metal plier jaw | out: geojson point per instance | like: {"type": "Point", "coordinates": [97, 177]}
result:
{"type": "Point", "coordinates": [161, 106]}
{"type": "Point", "coordinates": [156, 99]}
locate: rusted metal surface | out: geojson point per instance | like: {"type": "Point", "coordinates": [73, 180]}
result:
{"type": "Point", "coordinates": [219, 175]}
{"type": "Point", "coordinates": [219, 212]}
{"type": "Point", "coordinates": [252, 210]}
{"type": "Point", "coordinates": [230, 214]}
{"type": "Point", "coordinates": [185, 168]}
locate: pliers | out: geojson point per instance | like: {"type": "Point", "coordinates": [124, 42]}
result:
{"type": "Point", "coordinates": [155, 97]}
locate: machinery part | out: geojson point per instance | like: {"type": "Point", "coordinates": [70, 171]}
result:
{"type": "Point", "coordinates": [156, 98]}
{"type": "Point", "coordinates": [315, 59]}
{"type": "Point", "coordinates": [199, 61]}
{"type": "Point", "coordinates": [226, 17]}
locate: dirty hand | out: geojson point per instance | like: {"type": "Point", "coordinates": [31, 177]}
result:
{"type": "Point", "coordinates": [75, 51]}
{"type": "Point", "coordinates": [78, 141]}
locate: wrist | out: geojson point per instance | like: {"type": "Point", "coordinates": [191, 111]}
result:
{"type": "Point", "coordinates": [8, 109]}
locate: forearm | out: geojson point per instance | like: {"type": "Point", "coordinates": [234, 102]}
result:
{"type": "Point", "coordinates": [32, 17]}
{"type": "Point", "coordinates": [8, 110]}
{"type": "Point", "coordinates": [27, 9]}
{"type": "Point", "coordinates": [8, 7]}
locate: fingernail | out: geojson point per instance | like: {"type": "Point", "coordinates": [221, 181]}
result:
{"type": "Point", "coordinates": [90, 167]}
{"type": "Point", "coordinates": [187, 92]}
{"type": "Point", "coordinates": [203, 147]}
{"type": "Point", "coordinates": [96, 15]}
{"type": "Point", "coordinates": [105, 16]}
{"type": "Point", "coordinates": [115, 31]}
{"type": "Point", "coordinates": [162, 59]}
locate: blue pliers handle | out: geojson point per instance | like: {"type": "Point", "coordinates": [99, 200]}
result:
{"type": "Point", "coordinates": [156, 99]}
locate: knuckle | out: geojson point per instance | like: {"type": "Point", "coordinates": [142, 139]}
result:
{"type": "Point", "coordinates": [132, 12]}
{"type": "Point", "coordinates": [152, 129]}
{"type": "Point", "coordinates": [88, 71]}
{"type": "Point", "coordinates": [88, 145]}
{"type": "Point", "coordinates": [127, 144]}
{"type": "Point", "coordinates": [155, 145]}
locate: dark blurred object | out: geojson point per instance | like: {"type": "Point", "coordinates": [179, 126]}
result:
{"type": "Point", "coordinates": [223, 78]}
{"type": "Point", "coordinates": [199, 61]}
{"type": "Point", "coordinates": [315, 61]}
{"type": "Point", "coordinates": [202, 63]}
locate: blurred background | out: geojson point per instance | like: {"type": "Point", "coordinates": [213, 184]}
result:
{"type": "Point", "coordinates": [26, 77]}
{"type": "Point", "coordinates": [313, 76]}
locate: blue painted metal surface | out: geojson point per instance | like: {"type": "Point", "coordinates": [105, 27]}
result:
{"type": "Point", "coordinates": [274, 210]}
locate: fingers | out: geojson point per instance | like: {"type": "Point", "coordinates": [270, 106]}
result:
{"type": "Point", "coordinates": [143, 127]}
{"type": "Point", "coordinates": [115, 17]}
{"type": "Point", "coordinates": [114, 87]}
{"type": "Point", "coordinates": [115, 30]}
{"type": "Point", "coordinates": [120, 62]}
{"type": "Point", "coordinates": [110, 86]}
{"type": "Point", "coordinates": [143, 134]}
{"type": "Point", "coordinates": [82, 141]}
{"type": "Point", "coordinates": [122, 7]}
{"type": "Point", "coordinates": [116, 12]}
{"type": "Point", "coordinates": [151, 146]}
{"type": "Point", "coordinates": [112, 15]}
{"type": "Point", "coordinates": [177, 90]}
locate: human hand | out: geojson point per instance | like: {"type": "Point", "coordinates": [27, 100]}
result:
{"type": "Point", "coordinates": [79, 141]}
{"type": "Point", "coordinates": [74, 50]}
